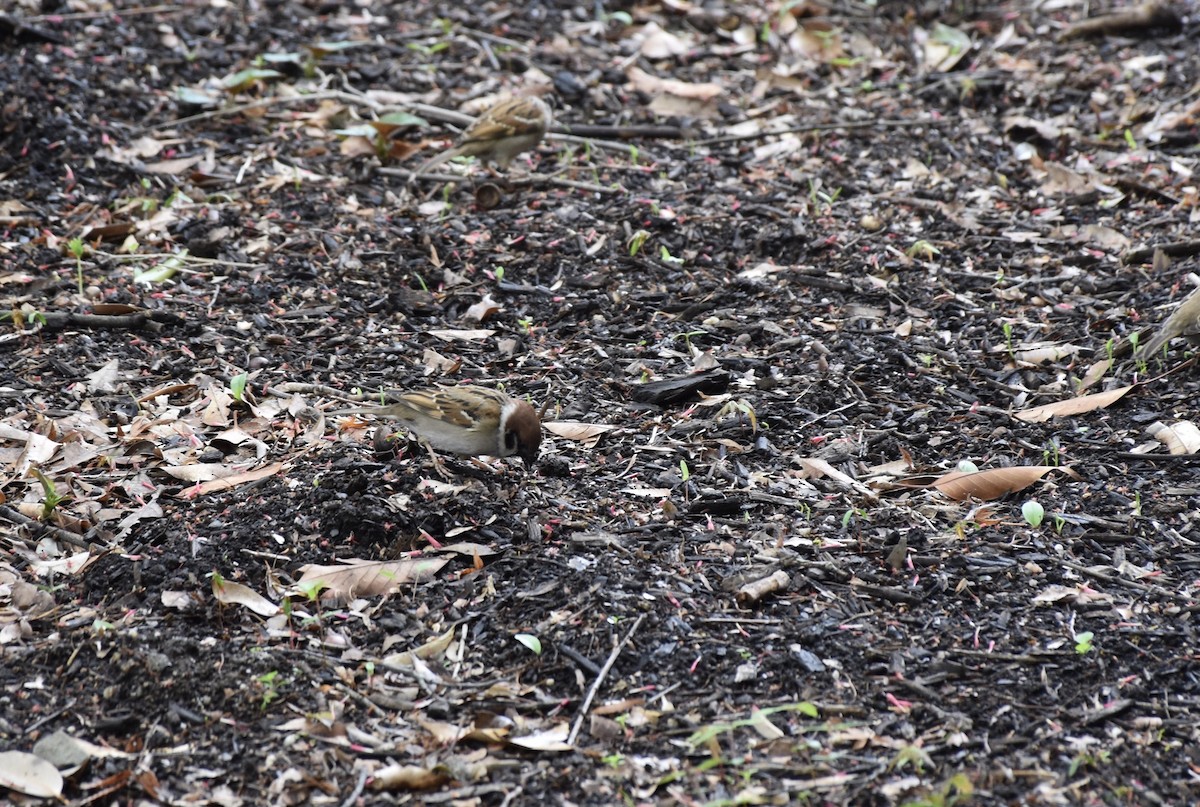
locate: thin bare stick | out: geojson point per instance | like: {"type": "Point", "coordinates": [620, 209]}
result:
{"type": "Point", "coordinates": [595, 687]}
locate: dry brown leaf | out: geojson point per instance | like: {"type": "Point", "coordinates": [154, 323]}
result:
{"type": "Point", "coordinates": [228, 592]}
{"type": "Point", "coordinates": [552, 739]}
{"type": "Point", "coordinates": [437, 363]}
{"type": "Point", "coordinates": [230, 481]}
{"type": "Point", "coordinates": [652, 85]}
{"type": "Point", "coordinates": [659, 44]}
{"type": "Point", "coordinates": [997, 482]}
{"type": "Point", "coordinates": [444, 733]}
{"type": "Point", "coordinates": [587, 433]}
{"type": "Point", "coordinates": [216, 412]}
{"type": "Point", "coordinates": [1078, 595]}
{"type": "Point", "coordinates": [357, 146]}
{"type": "Point", "coordinates": [1094, 373]}
{"type": "Point", "coordinates": [470, 549]}
{"type": "Point", "coordinates": [361, 578]}
{"type": "Point", "coordinates": [1043, 353]}
{"type": "Point", "coordinates": [174, 167]}
{"type": "Point", "coordinates": [183, 600]}
{"type": "Point", "coordinates": [38, 451]}
{"type": "Point", "coordinates": [1072, 406]}
{"type": "Point", "coordinates": [104, 379]}
{"type": "Point", "coordinates": [460, 334]}
{"type": "Point", "coordinates": [408, 777]}
{"type": "Point", "coordinates": [484, 310]}
{"type": "Point", "coordinates": [73, 564]}
{"type": "Point", "coordinates": [434, 648]}
{"type": "Point", "coordinates": [27, 773]}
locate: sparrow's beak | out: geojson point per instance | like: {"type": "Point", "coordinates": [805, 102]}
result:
{"type": "Point", "coordinates": [529, 457]}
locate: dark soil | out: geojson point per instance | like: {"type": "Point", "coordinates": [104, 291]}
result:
{"type": "Point", "coordinates": [859, 249]}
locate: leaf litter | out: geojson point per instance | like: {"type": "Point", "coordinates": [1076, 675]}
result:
{"type": "Point", "coordinates": [886, 299]}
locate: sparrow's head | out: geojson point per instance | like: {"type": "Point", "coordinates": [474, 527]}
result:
{"type": "Point", "coordinates": [522, 431]}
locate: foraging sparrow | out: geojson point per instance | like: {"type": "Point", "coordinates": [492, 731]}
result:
{"type": "Point", "coordinates": [503, 131]}
{"type": "Point", "coordinates": [1184, 321]}
{"type": "Point", "coordinates": [467, 420]}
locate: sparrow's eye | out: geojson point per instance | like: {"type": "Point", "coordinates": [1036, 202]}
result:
{"type": "Point", "coordinates": [510, 441]}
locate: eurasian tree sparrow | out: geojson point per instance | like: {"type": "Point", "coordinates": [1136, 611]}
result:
{"type": "Point", "coordinates": [1184, 321]}
{"type": "Point", "coordinates": [467, 420]}
{"type": "Point", "coordinates": [503, 131]}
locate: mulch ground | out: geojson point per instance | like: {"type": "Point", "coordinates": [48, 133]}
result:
{"type": "Point", "coordinates": [792, 282]}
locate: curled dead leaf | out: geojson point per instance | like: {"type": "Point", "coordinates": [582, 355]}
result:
{"type": "Point", "coordinates": [1179, 438]}
{"type": "Point", "coordinates": [1073, 406]}
{"type": "Point", "coordinates": [484, 310]}
{"type": "Point", "coordinates": [228, 592]}
{"type": "Point", "coordinates": [408, 777]}
{"type": "Point", "coordinates": [361, 578]}
{"type": "Point", "coordinates": [586, 433]}
{"type": "Point", "coordinates": [995, 483]}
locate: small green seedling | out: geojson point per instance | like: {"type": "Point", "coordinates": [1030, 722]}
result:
{"type": "Point", "coordinates": [1033, 513]}
{"type": "Point", "coordinates": [76, 246]}
{"type": "Point", "coordinates": [51, 498]}
{"type": "Point", "coordinates": [636, 241]}
{"type": "Point", "coordinates": [922, 249]}
{"type": "Point", "coordinates": [237, 386]}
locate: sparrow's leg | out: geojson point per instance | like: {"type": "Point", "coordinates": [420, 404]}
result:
{"type": "Point", "coordinates": [439, 467]}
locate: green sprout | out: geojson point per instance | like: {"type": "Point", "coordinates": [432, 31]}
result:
{"type": "Point", "coordinates": [237, 386]}
{"type": "Point", "coordinates": [922, 249]}
{"type": "Point", "coordinates": [51, 498]}
{"type": "Point", "coordinates": [1083, 642]}
{"type": "Point", "coordinates": [76, 246]}
{"type": "Point", "coordinates": [530, 641]}
{"type": "Point", "coordinates": [851, 514]}
{"type": "Point", "coordinates": [636, 241]}
{"type": "Point", "coordinates": [1033, 513]}
{"type": "Point", "coordinates": [270, 683]}
{"type": "Point", "coordinates": [684, 473]}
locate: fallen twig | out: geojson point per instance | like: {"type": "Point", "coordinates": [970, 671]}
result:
{"type": "Point", "coordinates": [595, 687]}
{"type": "Point", "coordinates": [14, 517]}
{"type": "Point", "coordinates": [1136, 20]}
{"type": "Point", "coordinates": [60, 320]}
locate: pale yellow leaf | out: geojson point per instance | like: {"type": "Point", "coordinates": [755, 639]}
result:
{"type": "Point", "coordinates": [587, 433]}
{"type": "Point", "coordinates": [461, 334]}
{"type": "Point", "coordinates": [552, 739]}
{"type": "Point", "coordinates": [228, 592]}
{"type": "Point", "coordinates": [27, 773]}
{"type": "Point", "coordinates": [361, 578]}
